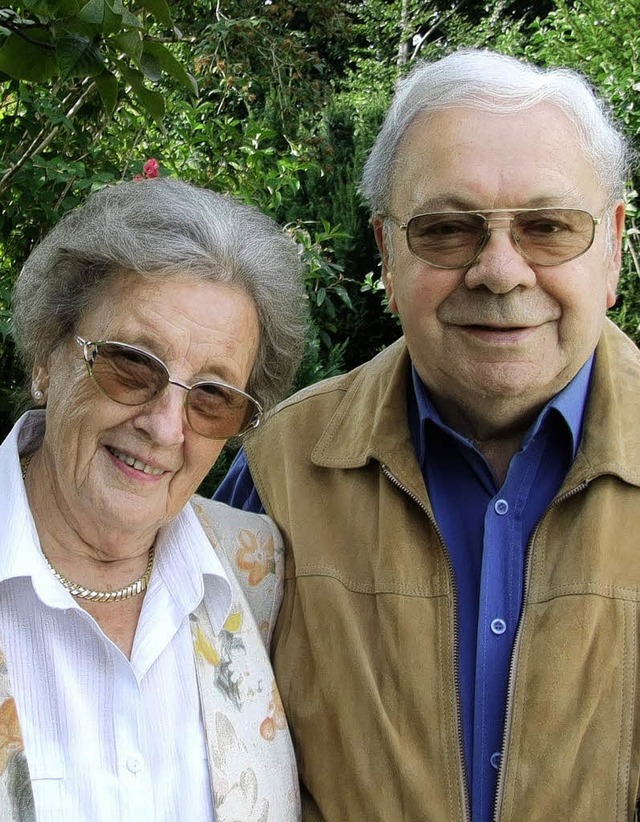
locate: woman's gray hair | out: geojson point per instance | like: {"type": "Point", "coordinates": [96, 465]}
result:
{"type": "Point", "coordinates": [496, 83]}
{"type": "Point", "coordinates": [164, 228]}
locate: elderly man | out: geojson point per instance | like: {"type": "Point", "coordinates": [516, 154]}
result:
{"type": "Point", "coordinates": [459, 633]}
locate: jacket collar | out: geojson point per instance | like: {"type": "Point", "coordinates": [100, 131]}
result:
{"type": "Point", "coordinates": [610, 443]}
{"type": "Point", "coordinates": [370, 422]}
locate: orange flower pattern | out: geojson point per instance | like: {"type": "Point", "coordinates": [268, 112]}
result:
{"type": "Point", "coordinates": [276, 720]}
{"type": "Point", "coordinates": [255, 558]}
{"type": "Point", "coordinates": [16, 796]}
{"type": "Point", "coordinates": [10, 734]}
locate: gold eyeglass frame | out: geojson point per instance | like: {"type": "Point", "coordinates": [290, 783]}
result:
{"type": "Point", "coordinates": [484, 239]}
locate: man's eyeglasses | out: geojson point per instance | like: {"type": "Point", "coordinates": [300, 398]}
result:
{"type": "Point", "coordinates": [131, 376]}
{"type": "Point", "coordinates": [543, 236]}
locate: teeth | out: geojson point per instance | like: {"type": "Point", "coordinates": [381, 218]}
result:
{"type": "Point", "coordinates": [137, 464]}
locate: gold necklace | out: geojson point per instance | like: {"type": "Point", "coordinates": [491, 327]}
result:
{"type": "Point", "coordinates": [131, 590]}
{"type": "Point", "coordinates": [79, 591]}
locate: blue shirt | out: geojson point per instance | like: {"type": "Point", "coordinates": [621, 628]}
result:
{"type": "Point", "coordinates": [486, 530]}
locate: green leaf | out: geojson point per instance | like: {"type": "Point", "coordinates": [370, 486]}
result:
{"type": "Point", "coordinates": [78, 57]}
{"type": "Point", "coordinates": [344, 296]}
{"type": "Point", "coordinates": [329, 308]}
{"type": "Point", "coordinates": [100, 14]}
{"type": "Point", "coordinates": [326, 339]}
{"type": "Point", "coordinates": [93, 12]}
{"type": "Point", "coordinates": [134, 77]}
{"type": "Point", "coordinates": [152, 101]}
{"type": "Point", "coordinates": [168, 63]}
{"type": "Point", "coordinates": [28, 61]}
{"type": "Point", "coordinates": [129, 20]}
{"type": "Point", "coordinates": [150, 66]}
{"type": "Point", "coordinates": [131, 43]}
{"type": "Point", "coordinates": [54, 9]}
{"type": "Point", "coordinates": [108, 89]}
{"type": "Point", "coordinates": [160, 11]}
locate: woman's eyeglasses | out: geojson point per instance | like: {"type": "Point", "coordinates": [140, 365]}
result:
{"type": "Point", "coordinates": [131, 376]}
{"type": "Point", "coordinates": [544, 236]}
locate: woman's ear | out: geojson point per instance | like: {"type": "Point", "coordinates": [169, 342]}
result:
{"type": "Point", "coordinates": [39, 384]}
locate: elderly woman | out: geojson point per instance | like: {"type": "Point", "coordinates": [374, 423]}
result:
{"type": "Point", "coordinates": [156, 322]}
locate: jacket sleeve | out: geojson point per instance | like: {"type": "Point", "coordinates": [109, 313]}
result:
{"type": "Point", "coordinates": [237, 488]}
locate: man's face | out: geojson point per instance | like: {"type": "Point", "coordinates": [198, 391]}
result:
{"type": "Point", "coordinates": [496, 340]}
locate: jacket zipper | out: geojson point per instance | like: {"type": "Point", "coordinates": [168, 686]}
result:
{"type": "Point", "coordinates": [466, 803]}
{"type": "Point", "coordinates": [516, 648]}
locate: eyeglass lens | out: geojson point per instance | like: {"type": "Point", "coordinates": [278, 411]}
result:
{"type": "Point", "coordinates": [132, 377]}
{"type": "Point", "coordinates": [543, 236]}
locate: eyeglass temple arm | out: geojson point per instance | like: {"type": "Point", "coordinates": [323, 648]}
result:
{"type": "Point", "coordinates": [89, 349]}
{"type": "Point", "coordinates": [402, 226]}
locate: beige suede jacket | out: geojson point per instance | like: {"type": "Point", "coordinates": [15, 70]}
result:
{"type": "Point", "coordinates": [366, 643]}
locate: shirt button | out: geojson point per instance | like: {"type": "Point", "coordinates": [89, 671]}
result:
{"type": "Point", "coordinates": [498, 626]}
{"type": "Point", "coordinates": [495, 760]}
{"type": "Point", "coordinates": [501, 506]}
{"type": "Point", "coordinates": [134, 763]}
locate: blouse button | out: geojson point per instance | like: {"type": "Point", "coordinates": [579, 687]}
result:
{"type": "Point", "coordinates": [134, 763]}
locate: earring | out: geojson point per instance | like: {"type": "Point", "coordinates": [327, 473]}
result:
{"type": "Point", "coordinates": [38, 395]}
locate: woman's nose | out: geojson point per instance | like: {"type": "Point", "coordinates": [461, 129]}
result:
{"type": "Point", "coordinates": [164, 418]}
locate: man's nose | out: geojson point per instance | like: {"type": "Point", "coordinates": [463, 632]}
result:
{"type": "Point", "coordinates": [500, 266]}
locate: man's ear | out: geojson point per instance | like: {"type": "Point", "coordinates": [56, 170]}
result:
{"type": "Point", "coordinates": [385, 256]}
{"type": "Point", "coordinates": [615, 240]}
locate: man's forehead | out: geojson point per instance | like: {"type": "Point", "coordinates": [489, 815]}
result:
{"type": "Point", "coordinates": [467, 158]}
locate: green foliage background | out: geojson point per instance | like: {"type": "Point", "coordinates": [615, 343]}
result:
{"type": "Point", "coordinates": [277, 102]}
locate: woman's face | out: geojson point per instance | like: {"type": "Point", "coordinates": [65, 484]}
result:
{"type": "Point", "coordinates": [201, 331]}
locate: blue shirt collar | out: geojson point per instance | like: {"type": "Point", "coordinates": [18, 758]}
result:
{"type": "Point", "coordinates": [570, 404]}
